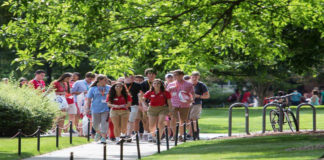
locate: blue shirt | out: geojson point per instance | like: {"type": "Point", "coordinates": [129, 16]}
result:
{"type": "Point", "coordinates": [296, 97]}
{"type": "Point", "coordinates": [80, 86]}
{"type": "Point", "coordinates": [98, 96]}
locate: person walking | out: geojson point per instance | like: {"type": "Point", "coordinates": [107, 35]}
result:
{"type": "Point", "coordinates": [97, 100]}
{"type": "Point", "coordinates": [134, 90]}
{"type": "Point", "coordinates": [119, 101]}
{"type": "Point", "coordinates": [146, 86]}
{"type": "Point", "coordinates": [182, 96]}
{"type": "Point", "coordinates": [159, 106]}
{"type": "Point", "coordinates": [201, 92]}
{"type": "Point", "coordinates": [79, 90]}
{"type": "Point", "coordinates": [61, 87]}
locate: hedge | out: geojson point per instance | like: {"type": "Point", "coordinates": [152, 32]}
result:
{"type": "Point", "coordinates": [24, 108]}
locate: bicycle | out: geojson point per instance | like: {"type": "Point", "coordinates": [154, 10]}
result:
{"type": "Point", "coordinates": [289, 116]}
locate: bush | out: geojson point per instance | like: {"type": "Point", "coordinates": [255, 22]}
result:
{"type": "Point", "coordinates": [24, 108]}
{"type": "Point", "coordinates": [218, 96]}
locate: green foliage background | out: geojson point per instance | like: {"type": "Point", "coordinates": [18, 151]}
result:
{"type": "Point", "coordinates": [24, 108]}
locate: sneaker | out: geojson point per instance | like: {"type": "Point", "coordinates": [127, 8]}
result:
{"type": "Point", "coordinates": [103, 140]}
{"type": "Point", "coordinates": [150, 138]}
{"type": "Point", "coordinates": [113, 139]}
{"type": "Point", "coordinates": [145, 137]}
{"type": "Point", "coordinates": [128, 139]}
{"type": "Point", "coordinates": [73, 132]}
{"type": "Point", "coordinates": [122, 135]}
{"type": "Point", "coordinates": [154, 140]}
{"type": "Point", "coordinates": [180, 139]}
{"type": "Point", "coordinates": [163, 136]}
{"type": "Point", "coordinates": [188, 137]}
{"type": "Point", "coordinates": [97, 137]}
{"type": "Point", "coordinates": [118, 141]}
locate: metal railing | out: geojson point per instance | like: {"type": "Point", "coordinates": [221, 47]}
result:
{"type": "Point", "coordinates": [314, 115]}
{"type": "Point", "coordinates": [246, 117]}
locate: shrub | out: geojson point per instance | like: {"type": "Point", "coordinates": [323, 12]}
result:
{"type": "Point", "coordinates": [24, 108]}
{"type": "Point", "coordinates": [218, 96]}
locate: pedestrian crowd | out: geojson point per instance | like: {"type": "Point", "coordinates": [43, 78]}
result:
{"type": "Point", "coordinates": [119, 108]}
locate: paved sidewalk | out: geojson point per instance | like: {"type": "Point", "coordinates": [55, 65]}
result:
{"type": "Point", "coordinates": [94, 151]}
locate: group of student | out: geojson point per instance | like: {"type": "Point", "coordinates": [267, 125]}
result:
{"type": "Point", "coordinates": [122, 107]}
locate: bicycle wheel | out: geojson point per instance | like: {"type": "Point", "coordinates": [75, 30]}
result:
{"type": "Point", "coordinates": [274, 120]}
{"type": "Point", "coordinates": [291, 120]}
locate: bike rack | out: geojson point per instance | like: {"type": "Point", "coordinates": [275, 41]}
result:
{"type": "Point", "coordinates": [314, 115]}
{"type": "Point", "coordinates": [246, 117]}
{"type": "Point", "coordinates": [264, 116]}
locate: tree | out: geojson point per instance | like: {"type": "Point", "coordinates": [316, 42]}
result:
{"type": "Point", "coordinates": [175, 34]}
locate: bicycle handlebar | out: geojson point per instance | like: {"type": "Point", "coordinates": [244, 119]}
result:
{"type": "Point", "coordinates": [279, 97]}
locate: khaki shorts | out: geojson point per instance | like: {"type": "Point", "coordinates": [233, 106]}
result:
{"type": "Point", "coordinates": [195, 111]}
{"type": "Point", "coordinates": [72, 109]}
{"type": "Point", "coordinates": [158, 110]}
{"type": "Point", "coordinates": [133, 113]}
{"type": "Point", "coordinates": [184, 112]}
{"type": "Point", "coordinates": [121, 113]}
{"type": "Point", "coordinates": [141, 115]}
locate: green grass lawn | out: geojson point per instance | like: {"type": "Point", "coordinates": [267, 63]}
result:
{"type": "Point", "coordinates": [215, 120]}
{"type": "Point", "coordinates": [9, 147]}
{"type": "Point", "coordinates": [266, 147]}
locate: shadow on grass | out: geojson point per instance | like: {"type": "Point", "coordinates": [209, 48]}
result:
{"type": "Point", "coordinates": [252, 148]}
{"type": "Point", "coordinates": [14, 156]}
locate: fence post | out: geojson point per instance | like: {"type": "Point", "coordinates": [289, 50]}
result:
{"type": "Point", "coordinates": [88, 129]}
{"type": "Point", "coordinates": [167, 137]}
{"type": "Point", "coordinates": [281, 118]}
{"type": "Point", "coordinates": [57, 136]}
{"type": "Point", "coordinates": [71, 156]}
{"type": "Point", "coordinates": [158, 139]}
{"type": "Point", "coordinates": [298, 112]}
{"type": "Point", "coordinates": [71, 126]}
{"type": "Point", "coordinates": [122, 148]}
{"type": "Point", "coordinates": [230, 117]}
{"type": "Point", "coordinates": [38, 139]}
{"type": "Point", "coordinates": [138, 146]}
{"type": "Point", "coordinates": [176, 135]}
{"type": "Point", "coordinates": [19, 142]}
{"type": "Point", "coordinates": [230, 122]}
{"type": "Point", "coordinates": [104, 151]}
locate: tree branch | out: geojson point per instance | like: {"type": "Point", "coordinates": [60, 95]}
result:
{"type": "Point", "coordinates": [175, 17]}
{"type": "Point", "coordinates": [227, 13]}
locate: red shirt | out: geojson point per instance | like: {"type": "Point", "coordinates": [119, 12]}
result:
{"type": "Point", "coordinates": [159, 99]}
{"type": "Point", "coordinates": [246, 97]}
{"type": "Point", "coordinates": [120, 101]}
{"type": "Point", "coordinates": [38, 84]}
{"type": "Point", "coordinates": [63, 88]}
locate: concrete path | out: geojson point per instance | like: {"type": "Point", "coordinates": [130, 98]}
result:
{"type": "Point", "coordinates": [94, 151]}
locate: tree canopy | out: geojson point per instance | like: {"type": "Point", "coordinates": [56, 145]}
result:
{"type": "Point", "coordinates": [222, 35]}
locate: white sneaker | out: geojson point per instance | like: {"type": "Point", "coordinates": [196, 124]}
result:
{"type": "Point", "coordinates": [145, 136]}
{"type": "Point", "coordinates": [122, 135]}
{"type": "Point", "coordinates": [149, 137]}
